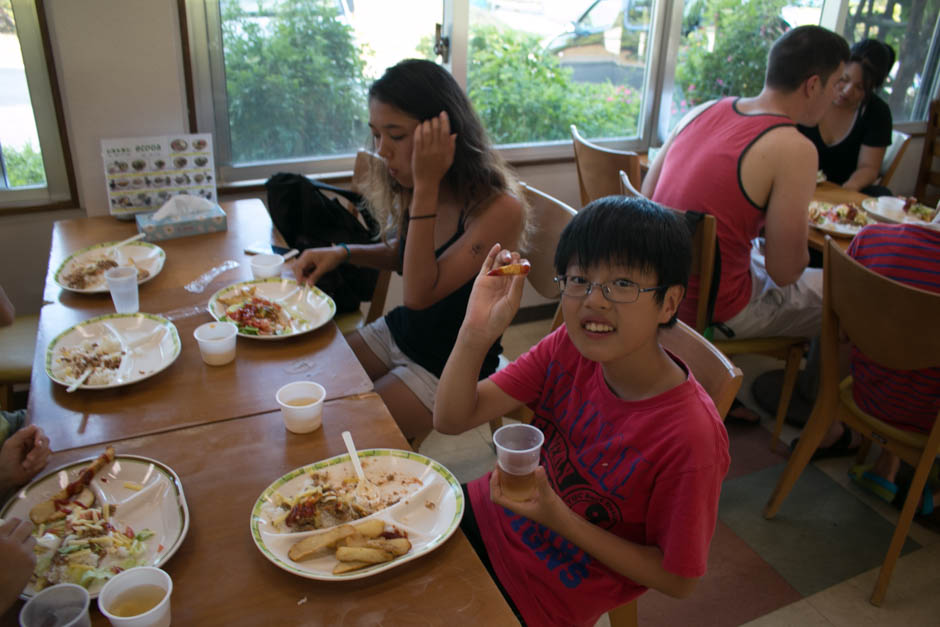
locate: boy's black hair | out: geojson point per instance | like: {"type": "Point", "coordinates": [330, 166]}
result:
{"type": "Point", "coordinates": [634, 233]}
{"type": "Point", "coordinates": [801, 53]}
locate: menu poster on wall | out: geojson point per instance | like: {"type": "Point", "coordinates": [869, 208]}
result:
{"type": "Point", "coordinates": [142, 173]}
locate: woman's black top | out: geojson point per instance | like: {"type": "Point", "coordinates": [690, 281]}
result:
{"type": "Point", "coordinates": [872, 128]}
{"type": "Point", "coordinates": [427, 336]}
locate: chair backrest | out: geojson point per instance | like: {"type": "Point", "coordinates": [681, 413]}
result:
{"type": "Point", "coordinates": [892, 323]}
{"type": "Point", "coordinates": [598, 168]}
{"type": "Point", "coordinates": [929, 173]}
{"type": "Point", "coordinates": [550, 217]}
{"type": "Point", "coordinates": [703, 263]}
{"type": "Point", "coordinates": [627, 188]}
{"type": "Point", "coordinates": [893, 156]}
{"type": "Point", "coordinates": [712, 369]}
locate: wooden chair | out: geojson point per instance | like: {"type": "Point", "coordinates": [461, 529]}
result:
{"type": "Point", "coordinates": [890, 334]}
{"type": "Point", "coordinates": [18, 342]}
{"type": "Point", "coordinates": [598, 168]}
{"type": "Point", "coordinates": [627, 188]}
{"type": "Point", "coordinates": [353, 320]}
{"type": "Point", "coordinates": [788, 349]}
{"type": "Point", "coordinates": [893, 157]}
{"type": "Point", "coordinates": [929, 173]}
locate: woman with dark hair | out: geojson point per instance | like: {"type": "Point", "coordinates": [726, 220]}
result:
{"type": "Point", "coordinates": [855, 131]}
{"type": "Point", "coordinates": [446, 198]}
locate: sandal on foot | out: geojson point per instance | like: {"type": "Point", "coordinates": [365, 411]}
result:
{"type": "Point", "coordinates": [737, 406]}
{"type": "Point", "coordinates": [863, 477]}
{"type": "Point", "coordinates": [840, 448]}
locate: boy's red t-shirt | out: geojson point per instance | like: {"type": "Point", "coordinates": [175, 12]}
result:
{"type": "Point", "coordinates": [648, 471]}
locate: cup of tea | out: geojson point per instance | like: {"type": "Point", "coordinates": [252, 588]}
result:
{"type": "Point", "coordinates": [216, 342]}
{"type": "Point", "coordinates": [518, 447]}
{"type": "Point", "coordinates": [301, 405]}
{"type": "Point", "coordinates": [137, 597]}
{"type": "Point", "coordinates": [62, 605]}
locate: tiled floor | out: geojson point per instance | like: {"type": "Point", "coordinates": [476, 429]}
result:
{"type": "Point", "coordinates": [814, 564]}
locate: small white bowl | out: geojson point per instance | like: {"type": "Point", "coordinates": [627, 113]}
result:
{"type": "Point", "coordinates": [301, 405]}
{"type": "Point", "coordinates": [891, 207]}
{"type": "Point", "coordinates": [216, 342]}
{"type": "Point", "coordinates": [266, 265]}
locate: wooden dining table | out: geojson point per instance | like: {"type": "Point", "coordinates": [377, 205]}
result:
{"type": "Point", "coordinates": [221, 578]}
{"type": "Point", "coordinates": [217, 428]}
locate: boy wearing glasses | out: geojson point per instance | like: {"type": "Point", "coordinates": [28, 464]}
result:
{"type": "Point", "coordinates": [634, 453]}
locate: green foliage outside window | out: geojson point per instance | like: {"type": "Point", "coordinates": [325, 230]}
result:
{"type": "Point", "coordinates": [294, 80]}
{"type": "Point", "coordinates": [734, 65]}
{"type": "Point", "coordinates": [523, 94]}
{"type": "Point", "coordinates": [24, 167]}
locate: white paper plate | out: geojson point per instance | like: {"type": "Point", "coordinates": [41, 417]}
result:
{"type": "Point", "coordinates": [839, 230]}
{"type": "Point", "coordinates": [307, 314]}
{"type": "Point", "coordinates": [428, 516]}
{"type": "Point", "coordinates": [147, 349]}
{"type": "Point", "coordinates": [870, 205]}
{"type": "Point", "coordinates": [160, 506]}
{"type": "Point", "coordinates": [146, 256]}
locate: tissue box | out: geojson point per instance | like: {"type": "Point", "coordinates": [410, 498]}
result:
{"type": "Point", "coordinates": [181, 226]}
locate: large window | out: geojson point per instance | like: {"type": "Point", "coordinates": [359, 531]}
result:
{"type": "Point", "coordinates": [32, 168]}
{"type": "Point", "coordinates": [284, 82]}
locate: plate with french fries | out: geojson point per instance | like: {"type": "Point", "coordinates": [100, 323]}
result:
{"type": "Point", "coordinates": [313, 522]}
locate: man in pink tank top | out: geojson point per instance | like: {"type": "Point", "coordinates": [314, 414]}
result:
{"type": "Point", "coordinates": [743, 161]}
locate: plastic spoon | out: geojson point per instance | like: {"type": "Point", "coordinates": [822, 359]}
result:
{"type": "Point", "coordinates": [127, 241]}
{"type": "Point", "coordinates": [77, 382]}
{"type": "Point", "coordinates": [365, 490]}
{"type": "Point", "coordinates": [293, 252]}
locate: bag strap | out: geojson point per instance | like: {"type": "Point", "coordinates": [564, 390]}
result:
{"type": "Point", "coordinates": [348, 194]}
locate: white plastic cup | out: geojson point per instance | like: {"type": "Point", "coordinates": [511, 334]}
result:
{"type": "Point", "coordinates": [122, 283]}
{"type": "Point", "coordinates": [128, 589]}
{"type": "Point", "coordinates": [61, 605]}
{"type": "Point", "coordinates": [266, 265]}
{"type": "Point", "coordinates": [301, 405]}
{"type": "Point", "coordinates": [518, 447]}
{"type": "Point", "coordinates": [216, 342]}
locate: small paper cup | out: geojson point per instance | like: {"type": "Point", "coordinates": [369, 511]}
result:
{"type": "Point", "coordinates": [301, 405]}
{"type": "Point", "coordinates": [63, 605]}
{"type": "Point", "coordinates": [518, 447]}
{"type": "Point", "coordinates": [266, 265]}
{"type": "Point", "coordinates": [129, 590]}
{"type": "Point", "coordinates": [216, 342]}
{"type": "Point", "coordinates": [891, 206]}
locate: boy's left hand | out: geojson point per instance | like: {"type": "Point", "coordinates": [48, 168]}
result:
{"type": "Point", "coordinates": [544, 506]}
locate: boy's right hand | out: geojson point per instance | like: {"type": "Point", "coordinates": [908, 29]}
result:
{"type": "Point", "coordinates": [313, 263]}
{"type": "Point", "coordinates": [494, 300]}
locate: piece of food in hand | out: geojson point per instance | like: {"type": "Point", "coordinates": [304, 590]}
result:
{"type": "Point", "coordinates": [522, 267]}
{"type": "Point", "coordinates": [308, 547]}
{"type": "Point", "coordinates": [49, 510]}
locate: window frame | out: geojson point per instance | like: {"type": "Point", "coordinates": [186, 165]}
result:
{"type": "Point", "coordinates": [60, 188]}
{"type": "Point", "coordinates": [203, 17]}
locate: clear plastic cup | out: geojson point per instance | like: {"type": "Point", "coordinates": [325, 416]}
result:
{"type": "Point", "coordinates": [122, 283]}
{"type": "Point", "coordinates": [216, 342]}
{"type": "Point", "coordinates": [518, 447]}
{"type": "Point", "coordinates": [61, 605]}
{"type": "Point", "coordinates": [301, 405]}
{"type": "Point", "coordinates": [138, 597]}
{"type": "Point", "coordinates": [265, 266]}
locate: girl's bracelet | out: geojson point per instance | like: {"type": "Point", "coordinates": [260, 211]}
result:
{"type": "Point", "coordinates": [430, 215]}
{"type": "Point", "coordinates": [346, 248]}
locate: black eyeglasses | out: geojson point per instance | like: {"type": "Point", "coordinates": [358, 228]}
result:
{"type": "Point", "coordinates": [616, 291]}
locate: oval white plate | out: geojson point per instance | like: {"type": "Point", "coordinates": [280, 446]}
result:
{"type": "Point", "coordinates": [870, 205]}
{"type": "Point", "coordinates": [307, 314]}
{"type": "Point", "coordinates": [839, 230]}
{"type": "Point", "coordinates": [160, 506]}
{"type": "Point", "coordinates": [146, 256]}
{"type": "Point", "coordinates": [147, 350]}
{"type": "Point", "coordinates": [429, 515]}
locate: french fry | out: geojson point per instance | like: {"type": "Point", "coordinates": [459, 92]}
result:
{"type": "Point", "coordinates": [362, 554]}
{"type": "Point", "coordinates": [310, 546]}
{"type": "Point", "coordinates": [370, 528]}
{"type": "Point", "coordinates": [395, 546]}
{"type": "Point", "coordinates": [512, 268]}
{"type": "Point", "coordinates": [345, 567]}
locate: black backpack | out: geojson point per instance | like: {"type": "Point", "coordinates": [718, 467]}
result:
{"type": "Point", "coordinates": [307, 218]}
